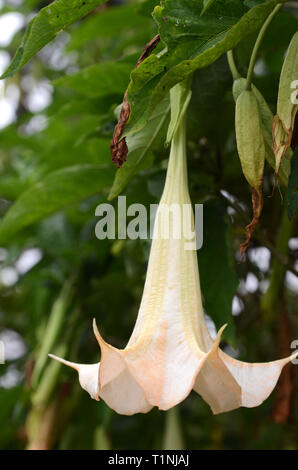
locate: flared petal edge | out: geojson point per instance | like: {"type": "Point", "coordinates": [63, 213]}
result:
{"type": "Point", "coordinates": [257, 380]}
{"type": "Point", "coordinates": [227, 384]}
{"type": "Point", "coordinates": [129, 389]}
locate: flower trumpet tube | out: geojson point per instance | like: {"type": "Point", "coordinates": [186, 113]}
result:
{"type": "Point", "coordinates": [170, 351]}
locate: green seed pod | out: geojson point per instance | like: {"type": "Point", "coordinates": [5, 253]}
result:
{"type": "Point", "coordinates": [267, 122]}
{"type": "Point", "coordinates": [287, 103]}
{"type": "Point", "coordinates": [286, 106]}
{"type": "Point", "coordinates": [251, 150]}
{"type": "Point", "coordinates": [250, 140]}
{"type": "Point", "coordinates": [239, 86]}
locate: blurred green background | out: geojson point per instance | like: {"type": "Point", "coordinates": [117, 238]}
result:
{"type": "Point", "coordinates": [55, 276]}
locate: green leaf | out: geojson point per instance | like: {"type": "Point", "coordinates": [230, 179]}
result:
{"type": "Point", "coordinates": [146, 7]}
{"type": "Point", "coordinates": [45, 26]}
{"type": "Point", "coordinates": [52, 331]}
{"type": "Point", "coordinates": [102, 79]}
{"type": "Point", "coordinates": [57, 190]}
{"type": "Point", "coordinates": [209, 115]}
{"type": "Point", "coordinates": [293, 186]}
{"type": "Point", "coordinates": [49, 379]}
{"type": "Point", "coordinates": [217, 271]}
{"type": "Point", "coordinates": [207, 4]}
{"type": "Point", "coordinates": [192, 42]}
{"type": "Point", "coordinates": [107, 23]}
{"type": "Point", "coordinates": [140, 147]}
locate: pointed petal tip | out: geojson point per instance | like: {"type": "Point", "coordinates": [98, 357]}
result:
{"type": "Point", "coordinates": [88, 375]}
{"type": "Point", "coordinates": [222, 328]}
{"type": "Point", "coordinates": [218, 337]}
{"type": "Point", "coordinates": [96, 332]}
{"type": "Point", "coordinates": [94, 326]}
{"type": "Point", "coordinates": [63, 361]}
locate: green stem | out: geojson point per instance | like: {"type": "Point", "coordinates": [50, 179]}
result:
{"type": "Point", "coordinates": [52, 330]}
{"type": "Point", "coordinates": [232, 65]}
{"type": "Point", "coordinates": [258, 43]}
{"type": "Point", "coordinates": [173, 439]}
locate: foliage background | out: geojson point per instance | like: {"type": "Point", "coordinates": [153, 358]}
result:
{"type": "Point", "coordinates": [57, 118]}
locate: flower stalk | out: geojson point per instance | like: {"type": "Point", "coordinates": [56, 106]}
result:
{"type": "Point", "coordinates": [257, 45]}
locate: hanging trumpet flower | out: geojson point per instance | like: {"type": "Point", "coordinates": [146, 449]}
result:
{"type": "Point", "coordinates": [170, 351]}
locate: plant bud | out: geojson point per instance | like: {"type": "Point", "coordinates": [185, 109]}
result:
{"type": "Point", "coordinates": [267, 123]}
{"type": "Point", "coordinates": [251, 150]}
{"type": "Point", "coordinates": [287, 104]}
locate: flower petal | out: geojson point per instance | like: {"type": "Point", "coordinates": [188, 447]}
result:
{"type": "Point", "coordinates": [88, 375]}
{"type": "Point", "coordinates": [117, 386]}
{"type": "Point", "coordinates": [216, 384]}
{"type": "Point", "coordinates": [161, 373]}
{"type": "Point", "coordinates": [257, 380]}
{"type": "Point", "coordinates": [226, 383]}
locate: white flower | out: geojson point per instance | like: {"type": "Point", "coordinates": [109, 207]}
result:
{"type": "Point", "coordinates": [170, 351]}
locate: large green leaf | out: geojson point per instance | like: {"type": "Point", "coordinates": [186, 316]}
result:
{"type": "Point", "coordinates": [45, 26]}
{"type": "Point", "coordinates": [57, 190]}
{"type": "Point", "coordinates": [217, 269]}
{"type": "Point", "coordinates": [207, 4]}
{"type": "Point", "coordinates": [140, 148]}
{"type": "Point", "coordinates": [108, 23]}
{"type": "Point", "coordinates": [102, 79]}
{"type": "Point", "coordinates": [207, 106]}
{"type": "Point", "coordinates": [293, 186]}
{"type": "Point", "coordinates": [192, 41]}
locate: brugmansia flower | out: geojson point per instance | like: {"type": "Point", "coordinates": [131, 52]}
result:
{"type": "Point", "coordinates": [170, 351]}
